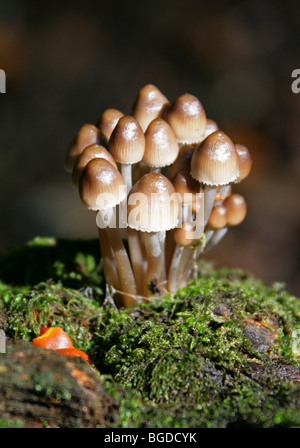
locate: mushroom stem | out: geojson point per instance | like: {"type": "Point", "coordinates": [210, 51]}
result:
{"type": "Point", "coordinates": [136, 257]}
{"type": "Point", "coordinates": [209, 199]}
{"type": "Point", "coordinates": [108, 261]}
{"type": "Point", "coordinates": [174, 267]}
{"type": "Point", "coordinates": [126, 171]}
{"type": "Point", "coordinates": [154, 256]}
{"type": "Point", "coordinates": [127, 280]}
{"type": "Point", "coordinates": [215, 238]}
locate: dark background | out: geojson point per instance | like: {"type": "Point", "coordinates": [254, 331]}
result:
{"type": "Point", "coordinates": [66, 62]}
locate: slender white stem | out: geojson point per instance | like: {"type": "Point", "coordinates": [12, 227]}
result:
{"type": "Point", "coordinates": [154, 256]}
{"type": "Point", "coordinates": [209, 199]}
{"type": "Point", "coordinates": [137, 258]}
{"type": "Point", "coordinates": [215, 238]}
{"type": "Point", "coordinates": [126, 171]}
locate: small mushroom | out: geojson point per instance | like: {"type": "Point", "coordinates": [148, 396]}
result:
{"type": "Point", "coordinates": [245, 161]}
{"type": "Point", "coordinates": [214, 162]}
{"type": "Point", "coordinates": [149, 104]}
{"type": "Point", "coordinates": [187, 118]}
{"type": "Point", "coordinates": [52, 338]}
{"type": "Point", "coordinates": [87, 135]}
{"type": "Point", "coordinates": [161, 147]}
{"type": "Point", "coordinates": [107, 123]}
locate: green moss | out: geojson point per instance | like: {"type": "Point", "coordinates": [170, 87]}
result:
{"type": "Point", "coordinates": [222, 352]}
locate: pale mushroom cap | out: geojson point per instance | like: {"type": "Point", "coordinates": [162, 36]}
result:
{"type": "Point", "coordinates": [101, 185]}
{"type": "Point", "coordinates": [108, 121]}
{"type": "Point", "coordinates": [187, 118]}
{"type": "Point", "coordinates": [127, 141]}
{"type": "Point", "coordinates": [245, 161]}
{"type": "Point", "coordinates": [215, 160]}
{"type": "Point", "coordinates": [149, 104]}
{"type": "Point", "coordinates": [236, 209]}
{"type": "Point", "coordinates": [90, 152]}
{"type": "Point", "coordinates": [161, 147]}
{"type": "Point", "coordinates": [152, 204]}
{"type": "Point", "coordinates": [218, 217]}
{"type": "Point", "coordinates": [87, 135]}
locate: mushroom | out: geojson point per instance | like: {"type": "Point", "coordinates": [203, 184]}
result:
{"type": "Point", "coordinates": [187, 118]}
{"type": "Point", "coordinates": [149, 104]}
{"type": "Point", "coordinates": [107, 123]}
{"type": "Point", "coordinates": [87, 135]}
{"type": "Point", "coordinates": [153, 209]}
{"type": "Point", "coordinates": [101, 188]}
{"type": "Point", "coordinates": [245, 161]}
{"type": "Point", "coordinates": [93, 151]}
{"type": "Point", "coordinates": [214, 162]}
{"type": "Point", "coordinates": [127, 145]}
{"type": "Point", "coordinates": [183, 160]}
{"type": "Point", "coordinates": [161, 147]}
{"type": "Point", "coordinates": [52, 338]}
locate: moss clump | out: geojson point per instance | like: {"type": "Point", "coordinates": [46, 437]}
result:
{"type": "Point", "coordinates": [222, 352]}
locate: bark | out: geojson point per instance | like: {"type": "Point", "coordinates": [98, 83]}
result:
{"type": "Point", "coordinates": [39, 386]}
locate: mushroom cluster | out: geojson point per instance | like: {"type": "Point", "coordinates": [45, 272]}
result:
{"type": "Point", "coordinates": [160, 182]}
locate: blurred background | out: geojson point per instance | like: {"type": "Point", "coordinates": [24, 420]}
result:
{"type": "Point", "coordinates": [66, 62]}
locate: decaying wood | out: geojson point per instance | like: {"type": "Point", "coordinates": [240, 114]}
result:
{"type": "Point", "coordinates": [39, 387]}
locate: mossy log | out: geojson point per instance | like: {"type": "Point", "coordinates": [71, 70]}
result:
{"type": "Point", "coordinates": [41, 388]}
{"type": "Point", "coordinates": [223, 352]}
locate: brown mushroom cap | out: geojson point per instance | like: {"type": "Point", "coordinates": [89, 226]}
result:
{"type": "Point", "coordinates": [184, 235]}
{"type": "Point", "coordinates": [218, 217]}
{"type": "Point", "coordinates": [183, 160]}
{"type": "Point", "coordinates": [215, 160]}
{"type": "Point", "coordinates": [90, 152]}
{"type": "Point", "coordinates": [127, 141]}
{"type": "Point", "coordinates": [211, 126]}
{"type": "Point", "coordinates": [152, 204]}
{"type": "Point", "coordinates": [149, 104]}
{"type": "Point", "coordinates": [236, 208]}
{"type": "Point", "coordinates": [87, 135]}
{"type": "Point", "coordinates": [245, 161]}
{"type": "Point", "coordinates": [108, 121]}
{"type": "Point", "coordinates": [187, 118]}
{"type": "Point", "coordinates": [101, 185]}
{"type": "Point", "coordinates": [161, 147]}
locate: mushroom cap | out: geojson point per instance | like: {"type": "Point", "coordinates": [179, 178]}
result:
{"type": "Point", "coordinates": [87, 135]}
{"type": "Point", "coordinates": [184, 235]}
{"type": "Point", "coordinates": [152, 204]}
{"type": "Point", "coordinates": [127, 141]}
{"type": "Point", "coordinates": [161, 147]}
{"type": "Point", "coordinates": [236, 208]}
{"type": "Point", "coordinates": [245, 161]}
{"type": "Point", "coordinates": [149, 104]}
{"type": "Point", "coordinates": [108, 121]}
{"type": "Point", "coordinates": [183, 160]}
{"type": "Point", "coordinates": [211, 126]}
{"type": "Point", "coordinates": [53, 338]}
{"type": "Point", "coordinates": [215, 160]}
{"type": "Point", "coordinates": [218, 217]}
{"type": "Point", "coordinates": [187, 118]}
{"type": "Point", "coordinates": [101, 185]}
{"type": "Point", "coordinates": [90, 152]}
{"type": "Point", "coordinates": [184, 183]}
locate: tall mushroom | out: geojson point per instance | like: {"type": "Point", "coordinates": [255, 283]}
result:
{"type": "Point", "coordinates": [153, 209]}
{"type": "Point", "coordinates": [107, 123]}
{"type": "Point", "coordinates": [101, 189]}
